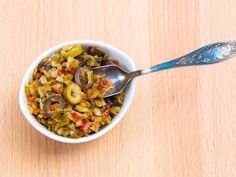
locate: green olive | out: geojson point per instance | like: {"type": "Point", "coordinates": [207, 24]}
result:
{"type": "Point", "coordinates": [72, 94]}
{"type": "Point", "coordinates": [72, 51]}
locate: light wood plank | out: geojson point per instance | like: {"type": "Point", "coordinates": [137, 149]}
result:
{"type": "Point", "coordinates": [181, 123]}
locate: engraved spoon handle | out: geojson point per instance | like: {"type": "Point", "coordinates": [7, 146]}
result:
{"type": "Point", "coordinates": [209, 54]}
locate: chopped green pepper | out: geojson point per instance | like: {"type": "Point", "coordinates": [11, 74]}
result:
{"type": "Point", "coordinates": [72, 51]}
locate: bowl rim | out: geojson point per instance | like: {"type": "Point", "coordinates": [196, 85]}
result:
{"type": "Point", "coordinates": [115, 120]}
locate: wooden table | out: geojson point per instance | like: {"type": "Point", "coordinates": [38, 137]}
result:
{"type": "Point", "coordinates": [182, 122]}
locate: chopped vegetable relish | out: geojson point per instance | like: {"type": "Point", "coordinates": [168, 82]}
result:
{"type": "Point", "coordinates": [67, 98]}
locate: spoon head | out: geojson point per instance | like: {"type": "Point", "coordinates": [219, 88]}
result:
{"type": "Point", "coordinates": [118, 76]}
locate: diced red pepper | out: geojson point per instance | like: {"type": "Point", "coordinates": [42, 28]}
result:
{"type": "Point", "coordinates": [79, 123]}
{"type": "Point", "coordinates": [72, 69]}
{"type": "Point", "coordinates": [102, 84]}
{"type": "Point", "coordinates": [86, 126]}
{"type": "Point", "coordinates": [61, 72]}
{"type": "Point", "coordinates": [107, 110]}
{"type": "Point", "coordinates": [76, 117]}
{"type": "Point", "coordinates": [54, 106]}
{"type": "Point", "coordinates": [116, 62]}
{"type": "Point", "coordinates": [44, 115]}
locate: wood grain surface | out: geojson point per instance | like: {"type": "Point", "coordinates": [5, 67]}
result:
{"type": "Point", "coordinates": [182, 122]}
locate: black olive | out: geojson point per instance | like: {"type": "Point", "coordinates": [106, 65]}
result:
{"type": "Point", "coordinates": [41, 64]}
{"type": "Point", "coordinates": [44, 64]}
{"type": "Point", "coordinates": [48, 67]}
{"type": "Point", "coordinates": [81, 78]}
{"type": "Point", "coordinates": [111, 101]}
{"type": "Point", "coordinates": [82, 60]}
{"type": "Point", "coordinates": [95, 51]}
{"type": "Point", "coordinates": [53, 99]}
{"type": "Point", "coordinates": [106, 62]}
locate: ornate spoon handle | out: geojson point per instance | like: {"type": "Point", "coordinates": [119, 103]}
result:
{"type": "Point", "coordinates": [209, 54]}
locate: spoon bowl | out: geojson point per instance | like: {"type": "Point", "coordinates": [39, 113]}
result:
{"type": "Point", "coordinates": [116, 74]}
{"type": "Point", "coordinates": [209, 54]}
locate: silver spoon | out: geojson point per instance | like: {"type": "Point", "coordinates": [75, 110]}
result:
{"type": "Point", "coordinates": [209, 54]}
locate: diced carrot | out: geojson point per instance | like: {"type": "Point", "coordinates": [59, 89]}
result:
{"type": "Point", "coordinates": [36, 111]}
{"type": "Point", "coordinates": [31, 99]}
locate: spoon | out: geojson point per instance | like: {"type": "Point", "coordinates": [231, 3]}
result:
{"type": "Point", "coordinates": [209, 54]}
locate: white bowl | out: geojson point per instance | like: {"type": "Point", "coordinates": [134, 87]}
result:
{"type": "Point", "coordinates": [125, 61]}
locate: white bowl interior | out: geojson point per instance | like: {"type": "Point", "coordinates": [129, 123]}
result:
{"type": "Point", "coordinates": [126, 63]}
